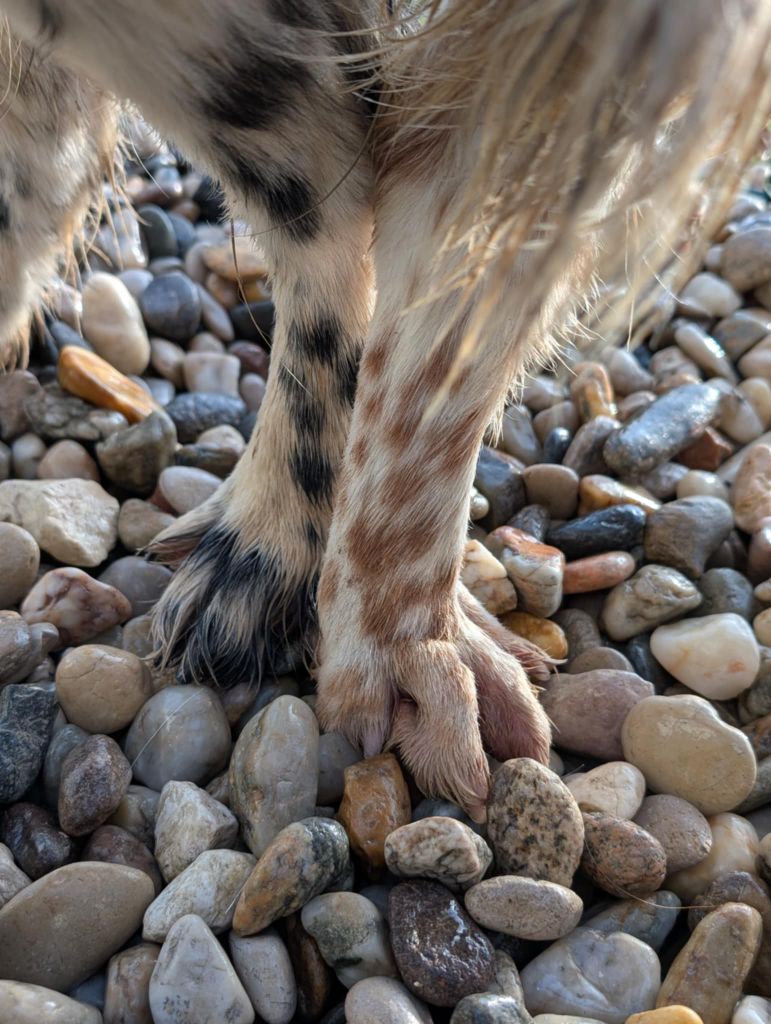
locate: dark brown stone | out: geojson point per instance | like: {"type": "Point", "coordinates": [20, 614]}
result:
{"type": "Point", "coordinates": [95, 777]}
{"type": "Point", "coordinates": [115, 845]}
{"type": "Point", "coordinates": [37, 845]}
{"type": "Point", "coordinates": [314, 978]}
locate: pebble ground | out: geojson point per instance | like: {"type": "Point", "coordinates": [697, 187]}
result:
{"type": "Point", "coordinates": [174, 855]}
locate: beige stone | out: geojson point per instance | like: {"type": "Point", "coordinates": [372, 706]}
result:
{"type": "Point", "coordinates": [615, 788]}
{"type": "Point", "coordinates": [527, 908]}
{"type": "Point", "coordinates": [101, 688]}
{"type": "Point", "coordinates": [113, 324]}
{"type": "Point", "coordinates": [486, 578]}
{"type": "Point", "coordinates": [735, 847]}
{"type": "Point", "coordinates": [32, 1004]}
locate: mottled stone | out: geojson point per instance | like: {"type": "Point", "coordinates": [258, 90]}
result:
{"type": "Point", "coordinates": [383, 1001]}
{"type": "Point", "coordinates": [115, 845]}
{"type": "Point", "coordinates": [314, 978]}
{"type": "Point", "coordinates": [127, 995]}
{"type": "Point", "coordinates": [535, 569]}
{"type": "Point", "coordinates": [304, 860]}
{"type": "Point", "coordinates": [441, 954]}
{"type": "Point", "coordinates": [716, 655]}
{"type": "Point", "coordinates": [265, 970]}
{"type": "Point", "coordinates": [54, 414]}
{"type": "Point", "coordinates": [112, 324]}
{"type": "Point", "coordinates": [655, 594]}
{"type": "Point", "coordinates": [23, 647]}
{"type": "Point", "coordinates": [588, 709]}
{"type": "Point", "coordinates": [134, 458]}
{"type": "Point", "coordinates": [683, 748]}
{"type": "Point", "coordinates": [101, 688]}
{"type": "Point", "coordinates": [99, 904]}
{"type": "Point", "coordinates": [21, 1003]}
{"type": "Point", "coordinates": [375, 803]}
{"type": "Point", "coordinates": [683, 534]}
{"type": "Point", "coordinates": [734, 848]}
{"type": "Point", "coordinates": [74, 521]}
{"type": "Point", "coordinates": [209, 888]}
{"type": "Point", "coordinates": [189, 821]}
{"type": "Point", "coordinates": [616, 788]}
{"type": "Point", "coordinates": [533, 822]}
{"type": "Point", "coordinates": [524, 907]}
{"type": "Point", "coordinates": [439, 848]}
{"type": "Point", "coordinates": [193, 981]}
{"type": "Point", "coordinates": [486, 579]}
{"type": "Point", "coordinates": [709, 972]}
{"type": "Point", "coordinates": [274, 770]}
{"type": "Point", "coordinates": [94, 778]}
{"type": "Point", "coordinates": [78, 605]}
{"type": "Point", "coordinates": [682, 830]}
{"type": "Point", "coordinates": [487, 1008]}
{"type": "Point", "coordinates": [589, 974]}
{"type": "Point", "coordinates": [179, 734]}
{"type": "Point", "coordinates": [27, 714]}
{"type": "Point", "coordinates": [197, 411]}
{"type": "Point", "coordinates": [621, 857]}
{"type": "Point", "coordinates": [37, 845]}
{"type": "Point", "coordinates": [351, 935]}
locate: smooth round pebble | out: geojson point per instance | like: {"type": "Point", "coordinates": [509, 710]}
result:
{"type": "Point", "coordinates": [383, 1001]}
{"type": "Point", "coordinates": [113, 325]}
{"type": "Point", "coordinates": [351, 935]}
{"type": "Point", "coordinates": [734, 848]}
{"type": "Point", "coordinates": [524, 907]}
{"type": "Point", "coordinates": [189, 821]}
{"type": "Point", "coordinates": [185, 487]}
{"type": "Point", "coordinates": [127, 992]}
{"type": "Point", "coordinates": [715, 655]}
{"type": "Point", "coordinates": [682, 830]}
{"type": "Point", "coordinates": [21, 1003]}
{"type": "Point", "coordinates": [443, 849]}
{"type": "Point", "coordinates": [615, 788]}
{"type": "Point", "coordinates": [263, 966]}
{"type": "Point", "coordinates": [101, 688]}
{"type": "Point", "coordinates": [621, 857]}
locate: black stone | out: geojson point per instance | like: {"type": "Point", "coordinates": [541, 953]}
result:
{"type": "Point", "coordinates": [638, 651]}
{"type": "Point", "coordinates": [726, 590]}
{"type": "Point", "coordinates": [556, 444]}
{"type": "Point", "coordinates": [27, 715]}
{"type": "Point", "coordinates": [171, 306]}
{"type": "Point", "coordinates": [662, 429]}
{"type": "Point", "coordinates": [37, 845]}
{"type": "Point", "coordinates": [157, 232]}
{"type": "Point", "coordinates": [196, 411]}
{"type": "Point", "coordinates": [618, 528]}
{"type": "Point", "coordinates": [184, 232]}
{"type": "Point", "coordinates": [501, 483]}
{"type": "Point", "coordinates": [247, 424]}
{"type": "Point", "coordinates": [253, 321]}
{"type": "Point", "coordinates": [64, 335]}
{"type": "Point", "coordinates": [533, 519]}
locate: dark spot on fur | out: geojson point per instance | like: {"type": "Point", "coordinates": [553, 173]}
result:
{"type": "Point", "coordinates": [5, 214]}
{"type": "Point", "coordinates": [312, 472]}
{"type": "Point", "coordinates": [21, 181]}
{"type": "Point", "coordinates": [348, 376]}
{"type": "Point", "coordinates": [320, 340]}
{"type": "Point", "coordinates": [247, 85]}
{"type": "Point", "coordinates": [305, 409]}
{"type": "Point", "coordinates": [51, 20]}
{"type": "Point", "coordinates": [299, 13]}
{"type": "Point", "coordinates": [313, 536]}
{"type": "Point", "coordinates": [289, 199]}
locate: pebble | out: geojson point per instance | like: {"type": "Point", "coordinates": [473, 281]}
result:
{"type": "Point", "coordinates": [171, 306]}
{"type": "Point", "coordinates": [27, 715]}
{"type": "Point", "coordinates": [588, 709]}
{"type": "Point", "coordinates": [185, 487]}
{"type": "Point", "coordinates": [752, 1010]}
{"type": "Point", "coordinates": [211, 372]}
{"type": "Point", "coordinates": [662, 430]}
{"type": "Point", "coordinates": [27, 452]}
{"type": "Point", "coordinates": [189, 821]}
{"type": "Point", "coordinates": [543, 632]}
{"type": "Point", "coordinates": [274, 770]}
{"type": "Point", "coordinates": [486, 1008]}
{"type": "Point", "coordinates": [751, 494]}
{"type": "Point", "coordinates": [666, 1015]}
{"type": "Point", "coordinates": [708, 295]}
{"type": "Point", "coordinates": [180, 734]}
{"type": "Point", "coordinates": [335, 755]}
{"type": "Point", "coordinates": [518, 437]}
{"type": "Point", "coordinates": [193, 981]}
{"type": "Point", "coordinates": [113, 325]}
{"type": "Point", "coordinates": [533, 822]}
{"type": "Point", "coordinates": [139, 522]}
{"type": "Point", "coordinates": [708, 355]}
{"type": "Point", "coordinates": [654, 595]}
{"type": "Point", "coordinates": [194, 412]}
{"type": "Point", "coordinates": [15, 389]}
{"type": "Point", "coordinates": [709, 971]}
{"type": "Point", "coordinates": [486, 578]}
{"type": "Point", "coordinates": [54, 414]}
{"type": "Point", "coordinates": [38, 926]}
{"type": "Point", "coordinates": [584, 454]}
{"type": "Point", "coordinates": [383, 1001]}
{"type": "Point", "coordinates": [94, 778]}
{"type": "Point", "coordinates": [683, 748]}
{"type": "Point", "coordinates": [734, 848]}
{"type": "Point", "coordinates": [236, 259]}
{"type": "Point", "coordinates": [441, 954]}
{"type": "Point", "coordinates": [93, 379]}
{"type": "Point", "coordinates": [37, 845]}
{"type": "Point", "coordinates": [715, 655]}
{"type": "Point", "coordinates": [524, 907]}
{"type": "Point", "coordinates": [589, 974]}
{"type": "Point", "coordinates": [698, 483]}
{"type": "Point", "coordinates": [682, 830]}
{"type": "Point", "coordinates": [127, 992]}
{"type": "Point", "coordinates": [351, 935]}
{"type": "Point", "coordinates": [74, 521]}
{"type": "Point", "coordinates": [744, 260]}
{"type": "Point", "coordinates": [79, 606]}
{"type": "Point", "coordinates": [136, 813]}
{"type": "Point", "coordinates": [140, 581]}
{"type": "Point", "coordinates": [535, 569]}
{"type": "Point", "coordinates": [684, 533]}
{"type": "Point", "coordinates": [600, 657]}
{"type": "Point", "coordinates": [135, 457]}
{"type": "Point", "coordinates": [101, 688]}
{"type": "Point", "coordinates": [621, 857]}
{"type": "Point", "coordinates": [67, 459]}
{"type": "Point", "coordinates": [23, 647]}
{"type": "Point", "coordinates": [263, 966]}
{"type": "Point", "coordinates": [553, 487]}
{"type": "Point", "coordinates": [439, 848]}
{"type": "Point", "coordinates": [726, 590]}
{"type": "Point", "coordinates": [563, 414]}
{"type": "Point", "coordinates": [598, 572]}
{"type": "Point", "coordinates": [209, 888]}
{"type": "Point", "coordinates": [314, 978]}
{"type": "Point", "coordinates": [12, 878]}
{"type": "Point", "coordinates": [616, 789]}
{"type": "Point", "coordinates": [114, 845]}
{"type": "Point", "coordinates": [649, 919]}
{"type": "Point", "coordinates": [32, 1004]}
{"type": "Point", "coordinates": [375, 803]}
{"type": "Point", "coordinates": [619, 527]}
{"type": "Point", "coordinates": [304, 860]}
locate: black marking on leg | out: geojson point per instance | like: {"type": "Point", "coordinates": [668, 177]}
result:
{"type": "Point", "coordinates": [305, 408]}
{"type": "Point", "coordinates": [51, 20]}
{"type": "Point", "coordinates": [319, 340]}
{"type": "Point", "coordinates": [289, 198]}
{"type": "Point", "coordinates": [299, 13]}
{"type": "Point", "coordinates": [5, 214]}
{"type": "Point", "coordinates": [312, 472]}
{"type": "Point", "coordinates": [348, 376]}
{"type": "Point", "coordinates": [251, 87]}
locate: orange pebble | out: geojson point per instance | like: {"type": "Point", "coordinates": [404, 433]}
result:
{"type": "Point", "coordinates": [88, 376]}
{"type": "Point", "coordinates": [598, 572]}
{"type": "Point", "coordinates": [666, 1015]}
{"type": "Point", "coordinates": [543, 632]}
{"type": "Point", "coordinates": [597, 491]}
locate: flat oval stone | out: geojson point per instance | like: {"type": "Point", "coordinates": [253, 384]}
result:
{"type": "Point", "coordinates": [273, 771]}
{"type": "Point", "coordinates": [304, 860]}
{"type": "Point", "coordinates": [616, 788]}
{"type": "Point", "coordinates": [375, 803]}
{"type": "Point", "coordinates": [734, 848]}
{"type": "Point", "coordinates": [78, 605]}
{"type": "Point", "coordinates": [533, 822]}
{"type": "Point", "coordinates": [618, 528]}
{"type": "Point", "coordinates": [524, 907]}
{"type": "Point", "coordinates": [95, 776]}
{"type": "Point", "coordinates": [598, 572]}
{"type": "Point", "coordinates": [36, 843]}
{"type": "Point", "coordinates": [715, 655]}
{"type": "Point", "coordinates": [113, 325]}
{"type": "Point", "coordinates": [588, 709]}
{"type": "Point", "coordinates": [441, 954]}
{"type": "Point", "coordinates": [27, 714]}
{"type": "Point", "coordinates": [744, 257]}
{"type": "Point", "coordinates": [439, 848]}
{"type": "Point", "coordinates": [127, 992]}
{"type": "Point", "coordinates": [101, 688]}
{"type": "Point", "coordinates": [101, 904]}
{"type": "Point", "coordinates": [383, 1001]}
{"type": "Point", "coordinates": [621, 857]}
{"type": "Point", "coordinates": [33, 1004]}
{"type": "Point", "coordinates": [209, 888]}
{"type": "Point", "coordinates": [708, 973]}
{"type": "Point", "coordinates": [115, 845]}
{"type": "Point", "coordinates": [171, 307]}
{"type": "Point", "coordinates": [263, 966]}
{"type": "Point", "coordinates": [192, 962]}
{"type": "Point", "coordinates": [189, 821]}
{"type": "Point", "coordinates": [683, 748]}
{"type": "Point", "coordinates": [185, 487]}
{"type": "Point", "coordinates": [682, 830]}
{"type": "Point", "coordinates": [92, 378]}
{"type": "Point", "coordinates": [197, 411]}
{"type": "Point", "coordinates": [588, 974]}
{"type": "Point", "coordinates": [352, 936]}
{"type": "Point", "coordinates": [181, 733]}
{"type": "Point", "coordinates": [654, 595]}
